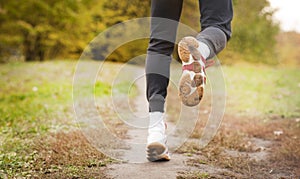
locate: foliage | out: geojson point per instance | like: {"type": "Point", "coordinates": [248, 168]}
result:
{"type": "Point", "coordinates": [288, 48]}
{"type": "Point", "coordinates": [38, 30]}
{"type": "Point", "coordinates": [118, 11]}
{"type": "Point", "coordinates": [254, 32]}
{"type": "Point", "coordinates": [115, 12]}
{"type": "Point", "coordinates": [45, 29]}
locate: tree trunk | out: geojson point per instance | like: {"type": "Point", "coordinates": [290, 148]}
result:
{"type": "Point", "coordinates": [39, 48]}
{"type": "Point", "coordinates": [28, 48]}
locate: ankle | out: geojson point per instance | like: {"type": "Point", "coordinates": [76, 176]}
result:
{"type": "Point", "coordinates": [204, 50]}
{"type": "Point", "coordinates": [155, 118]}
{"type": "Point", "coordinates": [157, 128]}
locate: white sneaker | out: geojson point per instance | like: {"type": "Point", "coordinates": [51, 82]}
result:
{"type": "Point", "coordinates": [192, 81]}
{"type": "Point", "coordinates": [156, 141]}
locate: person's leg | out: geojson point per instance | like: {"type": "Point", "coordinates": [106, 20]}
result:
{"type": "Point", "coordinates": [161, 46]}
{"type": "Point", "coordinates": [216, 16]}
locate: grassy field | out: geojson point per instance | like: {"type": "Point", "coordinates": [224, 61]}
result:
{"type": "Point", "coordinates": [36, 108]}
{"type": "Point", "coordinates": [263, 90]}
{"type": "Point", "coordinates": [36, 101]}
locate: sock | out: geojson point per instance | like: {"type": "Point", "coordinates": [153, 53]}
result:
{"type": "Point", "coordinates": [204, 50]}
{"type": "Point", "coordinates": [156, 130]}
{"type": "Point", "coordinates": [155, 118]}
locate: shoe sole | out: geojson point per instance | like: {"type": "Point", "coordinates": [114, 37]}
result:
{"type": "Point", "coordinates": [191, 84]}
{"type": "Point", "coordinates": [157, 152]}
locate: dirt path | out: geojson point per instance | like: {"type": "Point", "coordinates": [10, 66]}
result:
{"type": "Point", "coordinates": [181, 165]}
{"type": "Point", "coordinates": [137, 165]}
{"type": "Point", "coordinates": [150, 170]}
{"type": "Point", "coordinates": [227, 157]}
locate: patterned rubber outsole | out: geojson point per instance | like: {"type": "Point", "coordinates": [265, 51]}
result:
{"type": "Point", "coordinates": [157, 152]}
{"type": "Point", "coordinates": [191, 84]}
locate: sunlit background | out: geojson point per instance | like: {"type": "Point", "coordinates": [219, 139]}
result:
{"type": "Point", "coordinates": [287, 14]}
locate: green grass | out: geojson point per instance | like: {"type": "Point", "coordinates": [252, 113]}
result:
{"type": "Point", "coordinates": [34, 99]}
{"type": "Point", "coordinates": [263, 90]}
{"type": "Point", "coordinates": [30, 95]}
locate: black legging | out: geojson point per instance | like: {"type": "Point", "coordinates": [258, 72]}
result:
{"type": "Point", "coordinates": [216, 16]}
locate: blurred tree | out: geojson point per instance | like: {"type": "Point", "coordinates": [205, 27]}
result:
{"type": "Point", "coordinates": [254, 33]}
{"type": "Point", "coordinates": [288, 47]}
{"type": "Point", "coordinates": [39, 29]}
{"type": "Point", "coordinates": [46, 28]}
{"type": "Point", "coordinates": [114, 12]}
{"type": "Point", "coordinates": [190, 14]}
